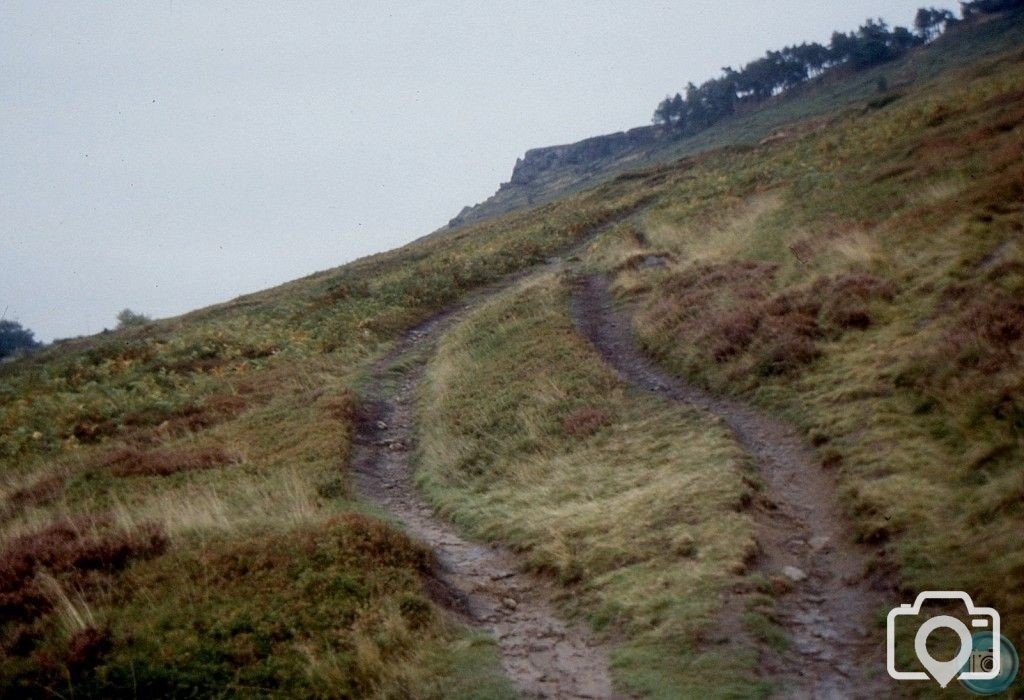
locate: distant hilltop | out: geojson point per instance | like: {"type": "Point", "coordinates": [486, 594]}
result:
{"type": "Point", "coordinates": [582, 154]}
{"type": "Point", "coordinates": [543, 173]}
{"type": "Point", "coordinates": [870, 67]}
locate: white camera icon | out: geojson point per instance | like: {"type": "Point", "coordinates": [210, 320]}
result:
{"type": "Point", "coordinates": [944, 671]}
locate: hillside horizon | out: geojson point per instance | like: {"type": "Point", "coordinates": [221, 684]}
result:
{"type": "Point", "coordinates": [695, 413]}
{"type": "Point", "coordinates": [292, 228]}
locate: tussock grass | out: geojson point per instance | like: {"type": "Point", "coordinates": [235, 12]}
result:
{"type": "Point", "coordinates": [635, 505]}
{"type": "Point", "coordinates": [876, 302]}
{"type": "Point", "coordinates": [729, 229]}
{"type": "Point", "coordinates": [231, 427]}
{"type": "Point", "coordinates": [259, 615]}
{"type": "Point", "coordinates": [861, 274]}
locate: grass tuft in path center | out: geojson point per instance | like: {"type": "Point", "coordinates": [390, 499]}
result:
{"type": "Point", "coordinates": [635, 506]}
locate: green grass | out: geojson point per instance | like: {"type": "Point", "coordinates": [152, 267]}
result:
{"type": "Point", "coordinates": [230, 428]}
{"type": "Point", "coordinates": [637, 506]}
{"type": "Point", "coordinates": [327, 610]}
{"type": "Point", "coordinates": [866, 281]}
{"type": "Point", "coordinates": [811, 106]}
{"type": "Point", "coordinates": [862, 276]}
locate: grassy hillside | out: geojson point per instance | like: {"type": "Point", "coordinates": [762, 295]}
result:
{"type": "Point", "coordinates": [867, 281]}
{"type": "Point", "coordinates": [156, 482]}
{"type": "Point", "coordinates": [175, 512]}
{"type": "Point", "coordinates": [813, 104]}
{"type": "Point", "coordinates": [635, 505]}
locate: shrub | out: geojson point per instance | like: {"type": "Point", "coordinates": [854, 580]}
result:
{"type": "Point", "coordinates": [130, 461]}
{"type": "Point", "coordinates": [368, 536]}
{"type": "Point", "coordinates": [15, 338]}
{"type": "Point", "coordinates": [71, 549]}
{"type": "Point", "coordinates": [848, 298]}
{"type": "Point", "coordinates": [127, 318]}
{"type": "Point", "coordinates": [784, 352]}
{"type": "Point", "coordinates": [734, 333]}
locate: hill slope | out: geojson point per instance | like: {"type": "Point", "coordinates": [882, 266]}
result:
{"type": "Point", "coordinates": [179, 516]}
{"type": "Point", "coordinates": [545, 174]}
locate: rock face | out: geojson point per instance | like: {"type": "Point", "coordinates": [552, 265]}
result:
{"type": "Point", "coordinates": [539, 161]}
{"type": "Point", "coordinates": [543, 174]}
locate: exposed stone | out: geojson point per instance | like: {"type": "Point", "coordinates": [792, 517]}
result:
{"type": "Point", "coordinates": [794, 574]}
{"type": "Point", "coordinates": [819, 542]}
{"type": "Point", "coordinates": [545, 173]}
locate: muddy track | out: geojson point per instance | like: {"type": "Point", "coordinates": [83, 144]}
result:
{"type": "Point", "coordinates": [837, 648]}
{"type": "Point", "coordinates": [542, 654]}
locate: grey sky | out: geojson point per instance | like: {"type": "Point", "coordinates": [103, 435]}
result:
{"type": "Point", "coordinates": [164, 156]}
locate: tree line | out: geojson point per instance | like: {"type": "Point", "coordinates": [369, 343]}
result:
{"type": "Point", "coordinates": [16, 340]}
{"type": "Point", "coordinates": [873, 43]}
{"type": "Point", "coordinates": [989, 6]}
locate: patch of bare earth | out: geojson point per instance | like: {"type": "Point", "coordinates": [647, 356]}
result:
{"type": "Point", "coordinates": [542, 654]}
{"type": "Point", "coordinates": [545, 656]}
{"type": "Point", "coordinates": [829, 605]}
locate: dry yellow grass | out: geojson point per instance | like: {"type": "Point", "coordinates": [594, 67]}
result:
{"type": "Point", "coordinates": [727, 228]}
{"type": "Point", "coordinates": [878, 305]}
{"type": "Point", "coordinates": [639, 511]}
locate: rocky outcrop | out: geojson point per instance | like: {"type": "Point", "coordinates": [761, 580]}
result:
{"type": "Point", "coordinates": [539, 161]}
{"type": "Point", "coordinates": [543, 174]}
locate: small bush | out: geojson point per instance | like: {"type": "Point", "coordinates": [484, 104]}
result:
{"type": "Point", "coordinates": [736, 332]}
{"type": "Point", "coordinates": [784, 353]}
{"type": "Point", "coordinates": [130, 461]}
{"type": "Point", "coordinates": [387, 545]}
{"type": "Point", "coordinates": [848, 299]}
{"type": "Point", "coordinates": [127, 318]}
{"type": "Point", "coordinates": [71, 549]}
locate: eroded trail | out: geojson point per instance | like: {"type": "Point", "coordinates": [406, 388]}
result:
{"type": "Point", "coordinates": [544, 656]}
{"type": "Point", "coordinates": [837, 649]}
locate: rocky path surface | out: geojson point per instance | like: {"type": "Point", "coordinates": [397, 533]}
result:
{"type": "Point", "coordinates": [837, 649]}
{"type": "Point", "coordinates": [543, 655]}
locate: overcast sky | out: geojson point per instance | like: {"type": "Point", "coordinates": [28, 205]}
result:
{"type": "Point", "coordinates": [168, 155]}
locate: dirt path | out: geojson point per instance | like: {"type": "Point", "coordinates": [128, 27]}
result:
{"type": "Point", "coordinates": [837, 649]}
{"type": "Point", "coordinates": [543, 655]}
